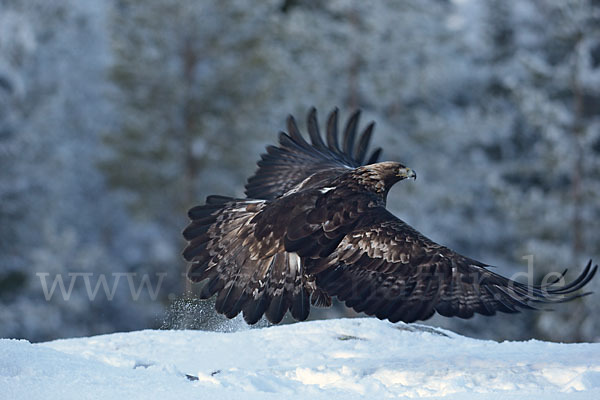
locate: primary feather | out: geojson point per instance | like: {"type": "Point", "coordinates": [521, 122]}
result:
{"type": "Point", "coordinates": [314, 225]}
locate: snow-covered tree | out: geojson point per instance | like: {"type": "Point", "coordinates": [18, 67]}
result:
{"type": "Point", "coordinates": [57, 217]}
{"type": "Point", "coordinates": [115, 117]}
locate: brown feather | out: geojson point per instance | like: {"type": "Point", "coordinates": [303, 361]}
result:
{"type": "Point", "coordinates": [321, 229]}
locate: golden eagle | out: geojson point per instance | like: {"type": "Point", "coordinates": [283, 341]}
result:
{"type": "Point", "coordinates": [314, 225]}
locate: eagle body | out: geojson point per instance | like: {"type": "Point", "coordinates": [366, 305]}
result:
{"type": "Point", "coordinates": [314, 225]}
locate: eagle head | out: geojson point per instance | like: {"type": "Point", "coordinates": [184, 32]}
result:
{"type": "Point", "coordinates": [380, 177]}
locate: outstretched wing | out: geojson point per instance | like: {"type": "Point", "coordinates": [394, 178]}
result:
{"type": "Point", "coordinates": [387, 269]}
{"type": "Point", "coordinates": [294, 160]}
{"type": "Point", "coordinates": [252, 252]}
{"type": "Point", "coordinates": [249, 276]}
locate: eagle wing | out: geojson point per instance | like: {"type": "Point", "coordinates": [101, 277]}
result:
{"type": "Point", "coordinates": [386, 268]}
{"type": "Point", "coordinates": [252, 252]}
{"type": "Point", "coordinates": [313, 223]}
{"type": "Point", "coordinates": [249, 276]}
{"type": "Point", "coordinates": [271, 256]}
{"type": "Point", "coordinates": [285, 166]}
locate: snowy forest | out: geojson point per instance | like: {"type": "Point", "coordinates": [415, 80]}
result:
{"type": "Point", "coordinates": [117, 116]}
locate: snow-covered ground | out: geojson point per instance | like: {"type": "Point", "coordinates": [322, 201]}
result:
{"type": "Point", "coordinates": [333, 359]}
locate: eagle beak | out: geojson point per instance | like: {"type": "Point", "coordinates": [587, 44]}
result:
{"type": "Point", "coordinates": [406, 173]}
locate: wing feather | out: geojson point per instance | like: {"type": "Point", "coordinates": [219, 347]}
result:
{"type": "Point", "coordinates": [387, 269]}
{"type": "Point", "coordinates": [363, 143]}
{"type": "Point", "coordinates": [313, 131]}
{"type": "Point", "coordinates": [250, 275]}
{"type": "Point", "coordinates": [285, 166]}
{"type": "Point", "coordinates": [319, 229]}
{"type": "Point", "coordinates": [332, 132]}
{"type": "Point", "coordinates": [350, 134]}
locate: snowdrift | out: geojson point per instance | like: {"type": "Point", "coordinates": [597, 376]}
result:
{"type": "Point", "coordinates": [333, 359]}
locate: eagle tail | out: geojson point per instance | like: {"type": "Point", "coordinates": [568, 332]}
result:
{"type": "Point", "coordinates": [223, 250]}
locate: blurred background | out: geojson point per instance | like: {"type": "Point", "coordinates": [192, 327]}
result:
{"type": "Point", "coordinates": [117, 116]}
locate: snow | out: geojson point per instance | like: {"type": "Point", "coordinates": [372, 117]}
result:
{"type": "Point", "coordinates": [344, 358]}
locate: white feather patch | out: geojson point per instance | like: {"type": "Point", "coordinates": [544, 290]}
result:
{"type": "Point", "coordinates": [326, 189]}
